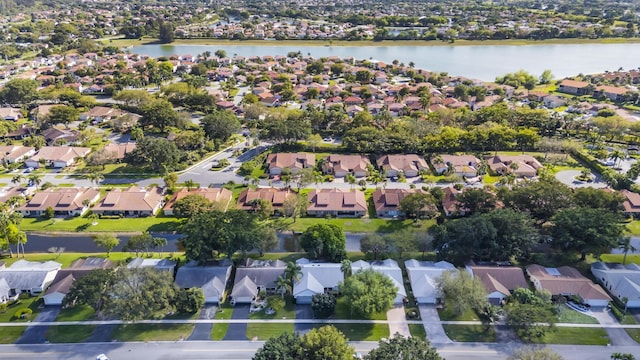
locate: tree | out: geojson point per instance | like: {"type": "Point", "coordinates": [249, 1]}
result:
{"type": "Point", "coordinates": [189, 301]}
{"type": "Point", "coordinates": [294, 206]}
{"type": "Point", "coordinates": [345, 267]}
{"type": "Point", "coordinates": [620, 356]}
{"type": "Point", "coordinates": [586, 230]}
{"type": "Point", "coordinates": [286, 346]}
{"type": "Point", "coordinates": [476, 201]}
{"type": "Point", "coordinates": [139, 243]}
{"type": "Point", "coordinates": [35, 179]}
{"type": "Point", "coordinates": [160, 154]}
{"type": "Point", "coordinates": [62, 115]}
{"type": "Point", "coordinates": [314, 140]}
{"type": "Point", "coordinates": [418, 204]}
{"type": "Point", "coordinates": [462, 292]}
{"type": "Point", "coordinates": [369, 292]}
{"type": "Point", "coordinates": [373, 244]}
{"type": "Point", "coordinates": [95, 177]}
{"type": "Point", "coordinates": [93, 289]}
{"type": "Point", "coordinates": [293, 274]}
{"type": "Point", "coordinates": [325, 343]}
{"type": "Point", "coordinates": [401, 242]}
{"type": "Point", "coordinates": [190, 205]}
{"type": "Point", "coordinates": [214, 231]}
{"type": "Point", "coordinates": [323, 305]}
{"type": "Point", "coordinates": [165, 33]}
{"type": "Point", "coordinates": [220, 125]}
{"type": "Point", "coordinates": [598, 199]}
{"type": "Point", "coordinates": [531, 353]}
{"type": "Point", "coordinates": [170, 182]}
{"type": "Point", "coordinates": [406, 348]}
{"type": "Point", "coordinates": [530, 314]}
{"type": "Point", "coordinates": [324, 241]}
{"type": "Point", "coordinates": [268, 240]}
{"type": "Point", "coordinates": [19, 91]}
{"type": "Point", "coordinates": [159, 114]}
{"type": "Point", "coordinates": [106, 241]}
{"type": "Point", "coordinates": [37, 142]}
{"type": "Point", "coordinates": [545, 77]}
{"type": "Point", "coordinates": [542, 199]}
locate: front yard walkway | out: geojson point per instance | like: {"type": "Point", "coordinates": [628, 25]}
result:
{"type": "Point", "coordinates": [432, 325]}
{"type": "Point", "coordinates": [398, 321]}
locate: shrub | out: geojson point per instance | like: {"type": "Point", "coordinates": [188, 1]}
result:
{"type": "Point", "coordinates": [275, 302]}
{"type": "Point", "coordinates": [323, 305]}
{"type": "Point", "coordinates": [23, 313]}
{"type": "Point", "coordinates": [48, 213]}
{"type": "Point", "coordinates": [24, 296]}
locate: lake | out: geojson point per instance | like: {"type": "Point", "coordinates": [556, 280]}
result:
{"type": "Point", "coordinates": [477, 62]}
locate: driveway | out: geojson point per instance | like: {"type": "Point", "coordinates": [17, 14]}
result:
{"type": "Point", "coordinates": [303, 312]}
{"type": "Point", "coordinates": [203, 331]}
{"type": "Point", "coordinates": [432, 325]}
{"type": "Point", "coordinates": [238, 331]}
{"type": "Point", "coordinates": [398, 321]}
{"type": "Point", "coordinates": [102, 333]}
{"type": "Point", "coordinates": [567, 177]}
{"type": "Point", "coordinates": [36, 334]}
{"type": "Point", "coordinates": [616, 336]}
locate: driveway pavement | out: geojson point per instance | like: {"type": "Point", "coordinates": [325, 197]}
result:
{"type": "Point", "coordinates": [102, 333]}
{"type": "Point", "coordinates": [567, 177]}
{"type": "Point", "coordinates": [432, 325]}
{"type": "Point", "coordinates": [36, 334]}
{"type": "Point", "coordinates": [398, 321]}
{"type": "Point", "coordinates": [303, 312]}
{"type": "Point", "coordinates": [203, 331]}
{"type": "Point", "coordinates": [617, 337]}
{"type": "Point", "coordinates": [238, 331]}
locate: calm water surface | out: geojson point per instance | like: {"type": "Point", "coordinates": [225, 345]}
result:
{"type": "Point", "coordinates": [479, 62]}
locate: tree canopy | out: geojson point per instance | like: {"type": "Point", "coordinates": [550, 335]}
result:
{"type": "Point", "coordinates": [325, 343]}
{"type": "Point", "coordinates": [405, 348]}
{"type": "Point", "coordinates": [324, 241]}
{"type": "Point", "coordinates": [369, 292]}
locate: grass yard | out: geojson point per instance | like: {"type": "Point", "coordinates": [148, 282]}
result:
{"type": "Point", "coordinates": [31, 303]}
{"type": "Point", "coordinates": [634, 333]}
{"type": "Point", "coordinates": [220, 330]}
{"type": "Point", "coordinates": [617, 258]}
{"type": "Point", "coordinates": [69, 333]}
{"type": "Point", "coordinates": [448, 314]}
{"type": "Point", "coordinates": [79, 224]}
{"type": "Point", "coordinates": [575, 336]}
{"type": "Point", "coordinates": [267, 331]}
{"type": "Point", "coordinates": [363, 332]}
{"type": "Point", "coordinates": [10, 335]}
{"type": "Point", "coordinates": [470, 333]}
{"type": "Point", "coordinates": [365, 225]}
{"type": "Point", "coordinates": [76, 313]}
{"type": "Point", "coordinates": [343, 311]}
{"type": "Point", "coordinates": [152, 332]}
{"type": "Point", "coordinates": [567, 315]}
{"type": "Point", "coordinates": [417, 330]}
{"type": "Point", "coordinates": [634, 227]}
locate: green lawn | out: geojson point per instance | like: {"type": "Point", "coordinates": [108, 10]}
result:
{"type": "Point", "coordinates": [220, 330]}
{"type": "Point", "coordinates": [634, 333]}
{"type": "Point", "coordinates": [69, 333]}
{"type": "Point", "coordinates": [567, 315]}
{"type": "Point", "coordinates": [363, 332]}
{"type": "Point", "coordinates": [152, 332]}
{"type": "Point", "coordinates": [470, 333]}
{"type": "Point", "coordinates": [617, 258]}
{"type": "Point", "coordinates": [9, 335]}
{"type": "Point", "coordinates": [575, 336]}
{"type": "Point", "coordinates": [363, 224]}
{"type": "Point", "coordinates": [634, 227]}
{"type": "Point", "coordinates": [447, 314]}
{"type": "Point", "coordinates": [78, 224]}
{"type": "Point", "coordinates": [417, 330]}
{"type": "Point", "coordinates": [76, 313]}
{"type": "Point", "coordinates": [267, 331]}
{"type": "Point", "coordinates": [31, 303]}
{"type": "Point", "coordinates": [343, 311]}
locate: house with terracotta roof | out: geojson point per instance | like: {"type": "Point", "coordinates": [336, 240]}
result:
{"type": "Point", "coordinates": [389, 268]}
{"type": "Point", "coordinates": [63, 201]}
{"type": "Point", "coordinates": [387, 202]}
{"type": "Point", "coordinates": [293, 161]}
{"type": "Point", "coordinates": [254, 276]}
{"type": "Point", "coordinates": [631, 203]}
{"type": "Point", "coordinates": [101, 113]}
{"type": "Point", "coordinates": [622, 281]}
{"type": "Point", "coordinates": [450, 203]}
{"type": "Point", "coordinates": [220, 196]}
{"type": "Point", "coordinates": [316, 278]}
{"type": "Point", "coordinates": [16, 153]}
{"type": "Point", "coordinates": [613, 93]}
{"type": "Point", "coordinates": [57, 156]}
{"type": "Point", "coordinates": [462, 165]}
{"type": "Point", "coordinates": [525, 165]}
{"type": "Point", "coordinates": [277, 197]}
{"type": "Point", "coordinates": [424, 277]}
{"type": "Point", "coordinates": [500, 281]}
{"type": "Point", "coordinates": [341, 165]}
{"type": "Point", "coordinates": [574, 87]}
{"type": "Point", "coordinates": [119, 151]}
{"type": "Point", "coordinates": [55, 136]}
{"type": "Point", "coordinates": [567, 281]}
{"type": "Point", "coordinates": [409, 164]}
{"type": "Point", "coordinates": [65, 278]}
{"type": "Point", "coordinates": [336, 202]}
{"type": "Point", "coordinates": [134, 201]}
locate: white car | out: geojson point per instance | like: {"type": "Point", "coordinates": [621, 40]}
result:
{"type": "Point", "coordinates": [102, 357]}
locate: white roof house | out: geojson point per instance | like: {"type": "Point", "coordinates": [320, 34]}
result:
{"type": "Point", "coordinates": [158, 264]}
{"type": "Point", "coordinates": [28, 277]}
{"type": "Point", "coordinates": [387, 267]}
{"type": "Point", "coordinates": [316, 278]}
{"type": "Point", "coordinates": [622, 281]}
{"type": "Point", "coordinates": [424, 276]}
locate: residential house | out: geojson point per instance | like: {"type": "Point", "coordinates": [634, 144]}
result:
{"type": "Point", "coordinates": [387, 202]}
{"type": "Point", "coordinates": [277, 197]}
{"type": "Point", "coordinates": [134, 201]}
{"type": "Point", "coordinates": [7, 193]}
{"type": "Point", "coordinates": [65, 278]}
{"type": "Point", "coordinates": [408, 164]}
{"type": "Point", "coordinates": [119, 151]}
{"type": "Point", "coordinates": [336, 202]}
{"type": "Point", "coordinates": [57, 156]}
{"type": "Point", "coordinates": [100, 114]}
{"type": "Point", "coordinates": [211, 278]}
{"type": "Point", "coordinates": [525, 165]}
{"type": "Point", "coordinates": [613, 93]}
{"type": "Point", "coordinates": [554, 101]}
{"type": "Point", "coordinates": [10, 114]}
{"type": "Point", "coordinates": [21, 133]}
{"type": "Point", "coordinates": [500, 281]}
{"type": "Point", "coordinates": [316, 278]}
{"type": "Point", "coordinates": [16, 153]}
{"type": "Point", "coordinates": [574, 87]}
{"type": "Point", "coordinates": [55, 136]}
{"type": "Point", "coordinates": [424, 276]}
{"type": "Point", "coordinates": [29, 277]}
{"type": "Point", "coordinates": [158, 264]}
{"type": "Point", "coordinates": [63, 201]}
{"type": "Point", "coordinates": [292, 161]}
{"type": "Point", "coordinates": [631, 203]}
{"type": "Point", "coordinates": [567, 281]}
{"type": "Point", "coordinates": [254, 276]}
{"type": "Point", "coordinates": [220, 196]}
{"type": "Point", "coordinates": [622, 281]}
{"type": "Point", "coordinates": [462, 165]}
{"type": "Point", "coordinates": [341, 165]}
{"type": "Point", "coordinates": [387, 267]}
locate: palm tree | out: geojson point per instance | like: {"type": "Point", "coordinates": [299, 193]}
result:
{"type": "Point", "coordinates": [95, 177]}
{"type": "Point", "coordinates": [293, 273]}
{"type": "Point", "coordinates": [17, 179]}
{"type": "Point", "coordinates": [190, 184]}
{"type": "Point", "coordinates": [35, 179]}
{"type": "Point", "coordinates": [351, 180]}
{"type": "Point", "coordinates": [282, 285]}
{"type": "Point", "coordinates": [159, 243]}
{"type": "Point", "coordinates": [626, 246]}
{"type": "Point", "coordinates": [345, 267]}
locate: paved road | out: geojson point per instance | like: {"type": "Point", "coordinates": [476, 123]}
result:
{"type": "Point", "coordinates": [231, 350]}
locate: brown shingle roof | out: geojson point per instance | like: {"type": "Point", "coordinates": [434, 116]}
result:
{"type": "Point", "coordinates": [131, 199]}
{"type": "Point", "coordinates": [218, 195]}
{"type": "Point", "coordinates": [275, 196]}
{"type": "Point", "coordinates": [291, 160]}
{"type": "Point", "coordinates": [500, 278]}
{"type": "Point", "coordinates": [336, 200]}
{"type": "Point", "coordinates": [66, 199]}
{"type": "Point", "coordinates": [566, 280]}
